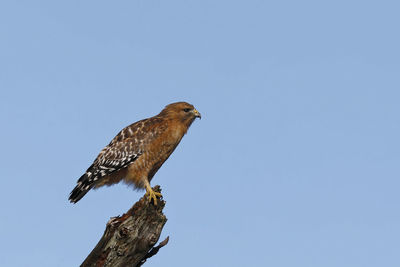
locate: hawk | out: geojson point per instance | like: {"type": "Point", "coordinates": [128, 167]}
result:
{"type": "Point", "coordinates": [138, 151]}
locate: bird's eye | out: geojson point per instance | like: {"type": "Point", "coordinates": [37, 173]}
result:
{"type": "Point", "coordinates": [186, 109]}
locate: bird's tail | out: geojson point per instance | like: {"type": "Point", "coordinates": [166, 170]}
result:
{"type": "Point", "coordinates": [85, 183]}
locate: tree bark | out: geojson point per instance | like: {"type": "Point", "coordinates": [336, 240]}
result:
{"type": "Point", "coordinates": [129, 239]}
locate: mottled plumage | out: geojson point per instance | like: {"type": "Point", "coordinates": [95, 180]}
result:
{"type": "Point", "coordinates": [138, 151]}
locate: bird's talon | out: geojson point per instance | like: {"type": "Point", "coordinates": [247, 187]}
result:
{"type": "Point", "coordinates": [152, 195]}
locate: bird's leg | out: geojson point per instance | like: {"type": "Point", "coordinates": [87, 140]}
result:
{"type": "Point", "coordinates": [151, 193]}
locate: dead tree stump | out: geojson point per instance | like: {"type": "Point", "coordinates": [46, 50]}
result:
{"type": "Point", "coordinates": [129, 240]}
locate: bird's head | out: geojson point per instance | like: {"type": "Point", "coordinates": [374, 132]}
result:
{"type": "Point", "coordinates": [181, 111]}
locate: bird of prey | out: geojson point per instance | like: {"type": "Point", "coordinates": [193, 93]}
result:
{"type": "Point", "coordinates": [138, 151]}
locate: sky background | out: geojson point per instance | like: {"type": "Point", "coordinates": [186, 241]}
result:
{"type": "Point", "coordinates": [294, 163]}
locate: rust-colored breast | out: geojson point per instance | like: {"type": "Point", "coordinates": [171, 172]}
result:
{"type": "Point", "coordinates": [155, 153]}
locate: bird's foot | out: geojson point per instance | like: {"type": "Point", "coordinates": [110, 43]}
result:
{"type": "Point", "coordinates": [152, 195]}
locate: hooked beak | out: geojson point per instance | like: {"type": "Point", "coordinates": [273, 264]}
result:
{"type": "Point", "coordinates": [196, 114]}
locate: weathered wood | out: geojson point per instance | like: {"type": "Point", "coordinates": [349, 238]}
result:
{"type": "Point", "coordinates": [129, 239]}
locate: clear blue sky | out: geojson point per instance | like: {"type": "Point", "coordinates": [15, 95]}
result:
{"type": "Point", "coordinates": [296, 159]}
